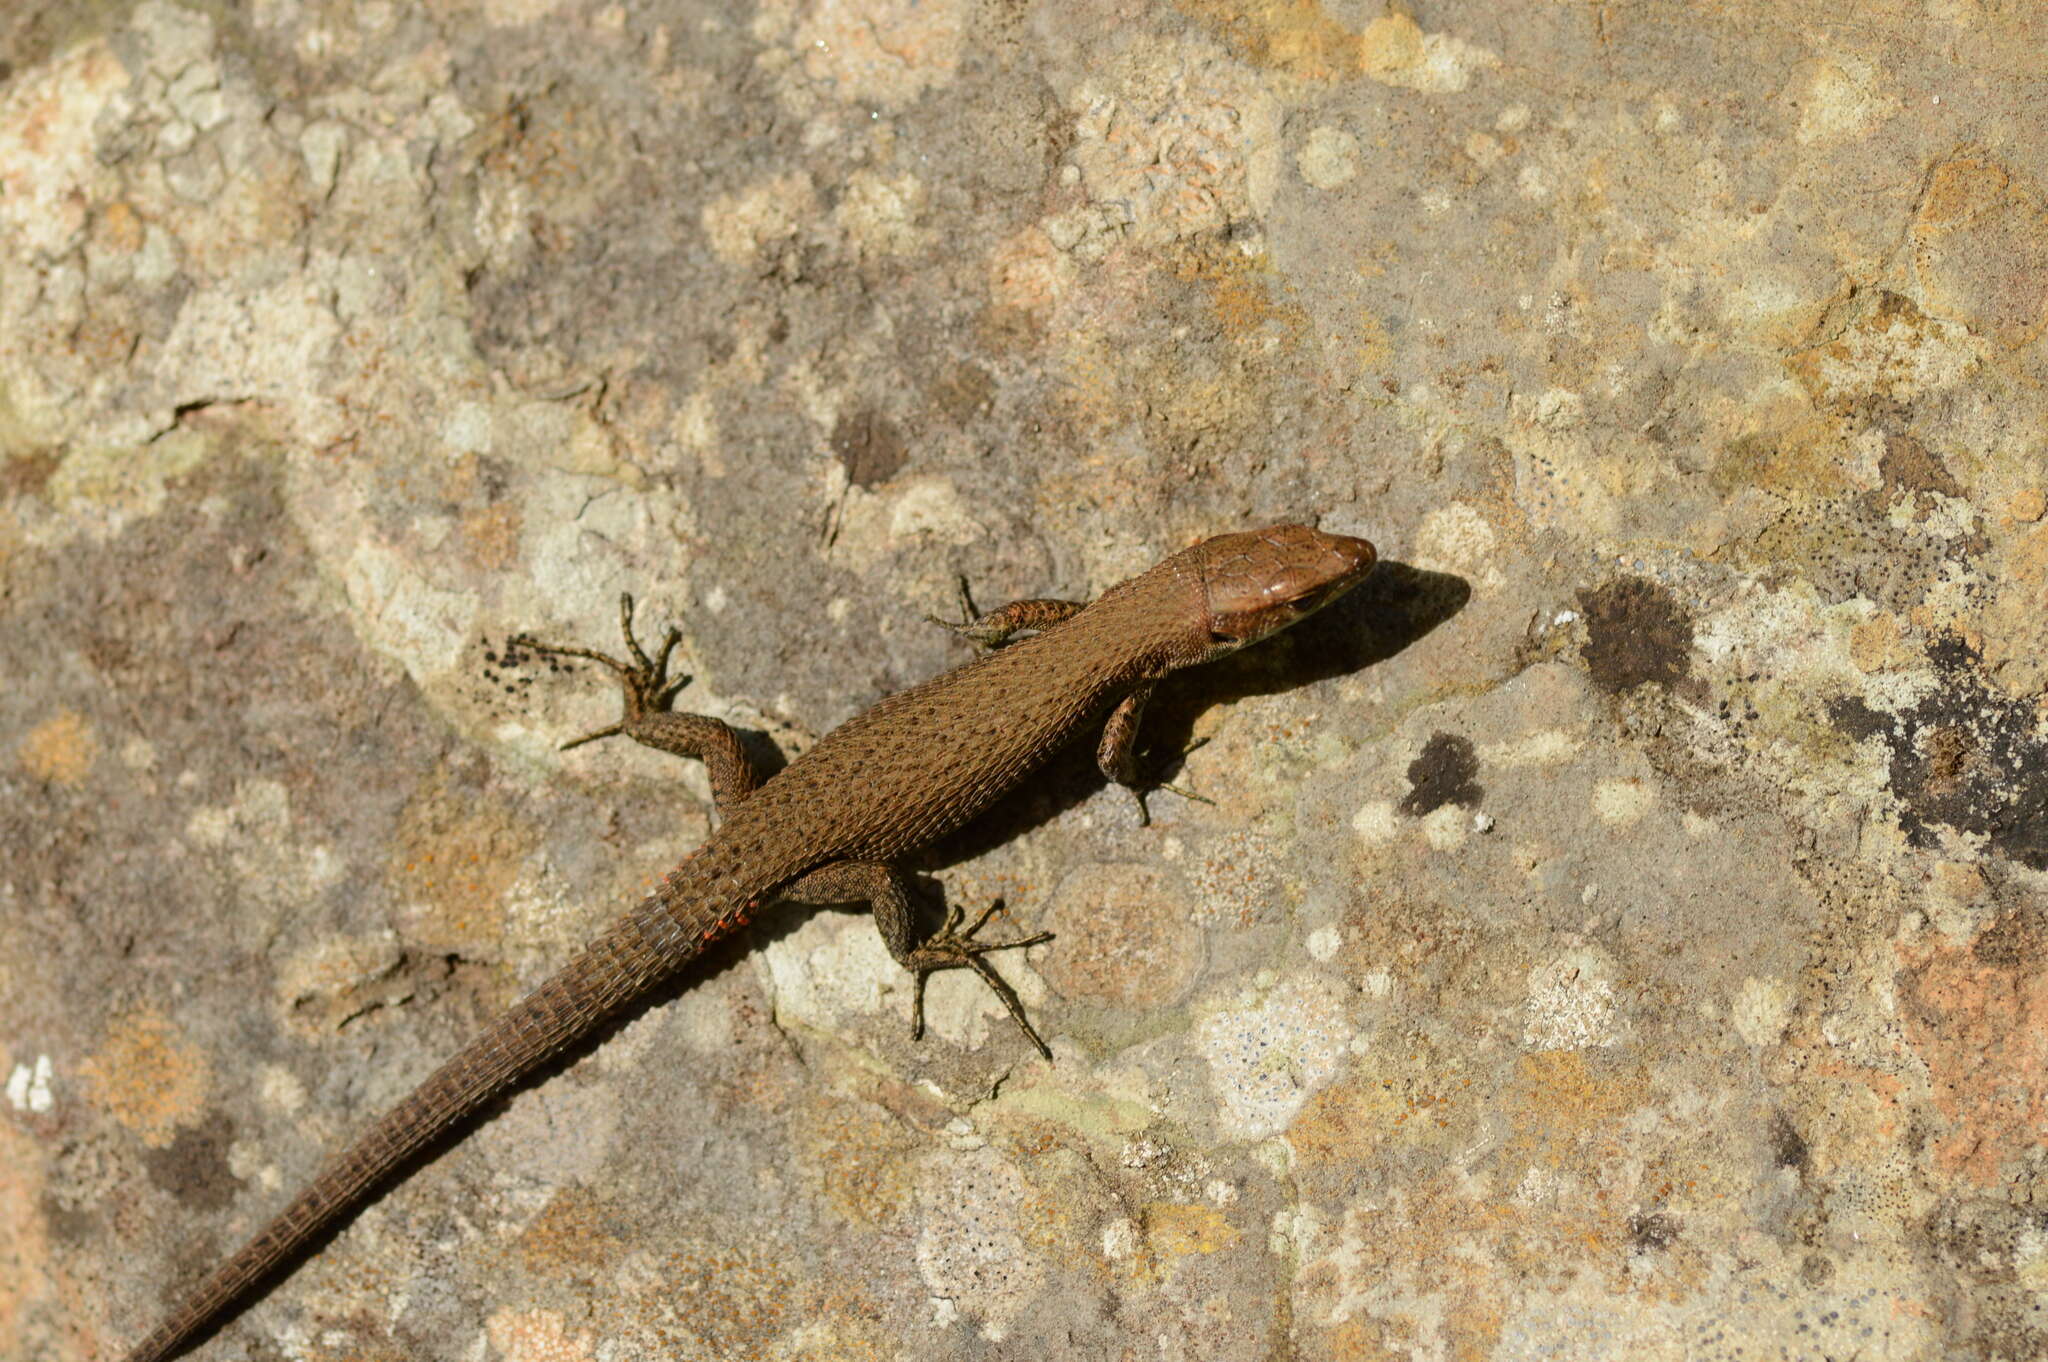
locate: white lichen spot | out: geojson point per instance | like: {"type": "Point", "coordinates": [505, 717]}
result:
{"type": "Point", "coordinates": [970, 1247]}
{"type": "Point", "coordinates": [1571, 1003]}
{"type": "Point", "coordinates": [1544, 747]}
{"type": "Point", "coordinates": [234, 343]}
{"type": "Point", "coordinates": [878, 213]}
{"type": "Point", "coordinates": [1446, 828]}
{"type": "Point", "coordinates": [2030, 1258]}
{"type": "Point", "coordinates": [1329, 158]}
{"type": "Point", "coordinates": [1323, 943]}
{"type": "Point", "coordinates": [402, 614]}
{"type": "Point", "coordinates": [1397, 52]}
{"type": "Point", "coordinates": [1619, 803]}
{"type": "Point", "coordinates": [1119, 1239]}
{"type": "Point", "coordinates": [28, 1087]}
{"type": "Point", "coordinates": [695, 428]}
{"type": "Point", "coordinates": [826, 969]}
{"type": "Point", "coordinates": [49, 175]}
{"type": "Point", "coordinates": [1539, 1187]}
{"type": "Point", "coordinates": [1376, 823]}
{"type": "Point", "coordinates": [1377, 983]}
{"type": "Point", "coordinates": [518, 13]}
{"type": "Point", "coordinates": [1844, 100]}
{"type": "Point", "coordinates": [1268, 1052]}
{"type": "Point", "coordinates": [932, 508]}
{"type": "Point", "coordinates": [742, 227]}
{"type": "Point", "coordinates": [1177, 138]}
{"type": "Point", "coordinates": [467, 429]}
{"type": "Point", "coordinates": [1456, 538]}
{"type": "Point", "coordinates": [1762, 1008]}
{"type": "Point", "coordinates": [280, 1089]}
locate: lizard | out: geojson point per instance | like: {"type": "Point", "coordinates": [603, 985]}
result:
{"type": "Point", "coordinates": [833, 826]}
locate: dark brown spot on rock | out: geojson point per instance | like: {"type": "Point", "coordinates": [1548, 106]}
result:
{"type": "Point", "coordinates": [1965, 755]}
{"type": "Point", "coordinates": [1445, 773]}
{"type": "Point", "coordinates": [869, 446]}
{"type": "Point", "coordinates": [1788, 1146]}
{"type": "Point", "coordinates": [1909, 466]}
{"type": "Point", "coordinates": [1636, 631]}
{"type": "Point", "coordinates": [194, 1167]}
{"type": "Point", "coordinates": [1652, 1232]}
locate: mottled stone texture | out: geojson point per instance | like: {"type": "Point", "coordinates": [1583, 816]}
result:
{"type": "Point", "coordinates": [1619, 933]}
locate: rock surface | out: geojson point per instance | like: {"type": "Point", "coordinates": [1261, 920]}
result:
{"type": "Point", "coordinates": [1621, 933]}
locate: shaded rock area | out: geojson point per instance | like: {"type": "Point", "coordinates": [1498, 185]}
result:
{"type": "Point", "coordinates": [1619, 931]}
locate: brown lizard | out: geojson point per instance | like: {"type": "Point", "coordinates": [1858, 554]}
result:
{"type": "Point", "coordinates": [831, 827]}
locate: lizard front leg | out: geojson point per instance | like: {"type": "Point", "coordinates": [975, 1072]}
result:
{"type": "Point", "coordinates": [994, 628]}
{"type": "Point", "coordinates": [887, 893]}
{"type": "Point", "coordinates": [1117, 755]}
{"type": "Point", "coordinates": [648, 688]}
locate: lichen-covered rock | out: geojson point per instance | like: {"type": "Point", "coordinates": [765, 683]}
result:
{"type": "Point", "coordinates": [1618, 931]}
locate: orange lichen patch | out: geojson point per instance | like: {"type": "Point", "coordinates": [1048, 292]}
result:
{"type": "Point", "coordinates": [457, 859]}
{"type": "Point", "coordinates": [148, 1077]}
{"type": "Point", "coordinates": [1175, 1230]}
{"type": "Point", "coordinates": [1027, 273]}
{"type": "Point", "coordinates": [569, 1238]}
{"type": "Point", "coordinates": [1249, 299]}
{"type": "Point", "coordinates": [1980, 248]}
{"type": "Point", "coordinates": [1417, 1107]}
{"type": "Point", "coordinates": [24, 1238]}
{"type": "Point", "coordinates": [537, 1336]}
{"type": "Point", "coordinates": [861, 1160]}
{"type": "Point", "coordinates": [1149, 953]}
{"type": "Point", "coordinates": [1977, 1016]}
{"type": "Point", "coordinates": [60, 749]}
{"type": "Point", "coordinates": [1298, 37]}
{"type": "Point", "coordinates": [733, 1301]}
{"type": "Point", "coordinates": [1875, 646]}
{"type": "Point", "coordinates": [1565, 1115]}
{"type": "Point", "coordinates": [1880, 344]}
{"type": "Point", "coordinates": [2015, 625]}
{"type": "Point", "coordinates": [119, 229]}
{"type": "Point", "coordinates": [491, 534]}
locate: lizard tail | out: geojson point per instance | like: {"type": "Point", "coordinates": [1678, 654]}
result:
{"type": "Point", "coordinates": [612, 969]}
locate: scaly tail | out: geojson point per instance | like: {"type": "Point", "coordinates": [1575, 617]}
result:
{"type": "Point", "coordinates": [637, 950]}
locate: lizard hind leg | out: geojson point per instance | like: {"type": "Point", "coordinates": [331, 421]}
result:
{"type": "Point", "coordinates": [886, 892]}
{"type": "Point", "coordinates": [647, 688]}
{"type": "Point", "coordinates": [951, 948]}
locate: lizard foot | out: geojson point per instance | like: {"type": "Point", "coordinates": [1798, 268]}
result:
{"type": "Point", "coordinates": [645, 681]}
{"type": "Point", "coordinates": [951, 948]}
{"type": "Point", "coordinates": [979, 629]}
{"type": "Point", "coordinates": [1145, 813]}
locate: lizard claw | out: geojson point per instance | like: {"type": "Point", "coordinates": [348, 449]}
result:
{"type": "Point", "coordinates": [645, 681]}
{"type": "Point", "coordinates": [1145, 813]}
{"type": "Point", "coordinates": [951, 948]}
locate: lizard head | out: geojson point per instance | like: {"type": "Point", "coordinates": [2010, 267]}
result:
{"type": "Point", "coordinates": [1259, 582]}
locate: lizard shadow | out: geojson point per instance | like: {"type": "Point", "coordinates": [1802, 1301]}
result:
{"type": "Point", "coordinates": [1394, 608]}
